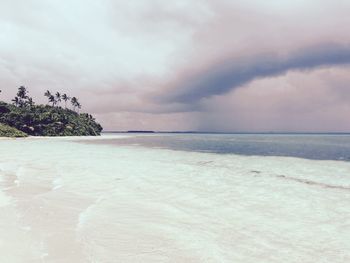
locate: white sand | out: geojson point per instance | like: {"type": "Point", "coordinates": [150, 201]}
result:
{"type": "Point", "coordinates": [62, 201]}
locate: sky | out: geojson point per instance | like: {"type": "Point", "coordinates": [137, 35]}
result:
{"type": "Point", "coordinates": [186, 65]}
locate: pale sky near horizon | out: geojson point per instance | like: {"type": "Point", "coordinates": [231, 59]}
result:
{"type": "Point", "coordinates": [205, 65]}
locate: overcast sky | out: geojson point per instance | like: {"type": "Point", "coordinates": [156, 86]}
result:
{"type": "Point", "coordinates": [206, 65]}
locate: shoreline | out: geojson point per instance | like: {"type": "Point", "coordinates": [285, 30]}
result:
{"type": "Point", "coordinates": [83, 203]}
{"type": "Point", "coordinates": [102, 137]}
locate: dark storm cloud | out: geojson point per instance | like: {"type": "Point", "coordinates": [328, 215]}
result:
{"type": "Point", "coordinates": [223, 77]}
{"type": "Point", "coordinates": [153, 64]}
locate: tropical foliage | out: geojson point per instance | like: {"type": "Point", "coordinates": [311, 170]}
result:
{"type": "Point", "coordinates": [22, 99]}
{"type": "Point", "coordinates": [47, 120]}
{"type": "Point", "coordinates": [7, 131]}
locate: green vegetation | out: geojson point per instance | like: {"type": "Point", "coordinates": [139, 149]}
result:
{"type": "Point", "coordinates": [7, 131]}
{"type": "Point", "coordinates": [25, 117]}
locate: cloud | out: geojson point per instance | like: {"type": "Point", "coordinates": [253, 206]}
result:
{"type": "Point", "coordinates": [316, 101]}
{"type": "Point", "coordinates": [230, 74]}
{"type": "Point", "coordinates": [154, 63]}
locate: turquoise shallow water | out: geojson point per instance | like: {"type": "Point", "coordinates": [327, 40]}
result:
{"type": "Point", "coordinates": [313, 146]}
{"type": "Point", "coordinates": [90, 200]}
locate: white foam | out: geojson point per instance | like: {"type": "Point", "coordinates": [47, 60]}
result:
{"type": "Point", "coordinates": [57, 183]}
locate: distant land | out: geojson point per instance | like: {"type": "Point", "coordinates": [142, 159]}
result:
{"type": "Point", "coordinates": [140, 131]}
{"type": "Point", "coordinates": [23, 117]}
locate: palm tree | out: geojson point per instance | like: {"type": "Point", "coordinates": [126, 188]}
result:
{"type": "Point", "coordinates": [22, 99]}
{"type": "Point", "coordinates": [74, 102]}
{"type": "Point", "coordinates": [52, 99]}
{"type": "Point", "coordinates": [22, 96]}
{"type": "Point", "coordinates": [58, 97]}
{"type": "Point", "coordinates": [47, 94]}
{"type": "Point", "coordinates": [78, 106]}
{"type": "Point", "coordinates": [22, 92]}
{"type": "Point", "coordinates": [16, 101]}
{"type": "Point", "coordinates": [65, 98]}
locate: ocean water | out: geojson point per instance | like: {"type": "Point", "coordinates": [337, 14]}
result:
{"type": "Point", "coordinates": [310, 146]}
{"type": "Point", "coordinates": [116, 199]}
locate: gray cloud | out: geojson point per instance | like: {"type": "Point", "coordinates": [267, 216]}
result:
{"type": "Point", "coordinates": [223, 77]}
{"type": "Point", "coordinates": [152, 64]}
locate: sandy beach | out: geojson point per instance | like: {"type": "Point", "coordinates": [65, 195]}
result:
{"type": "Point", "coordinates": [68, 201]}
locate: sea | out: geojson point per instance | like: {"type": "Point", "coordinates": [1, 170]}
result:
{"type": "Point", "coordinates": [164, 197]}
{"type": "Point", "coordinates": [309, 146]}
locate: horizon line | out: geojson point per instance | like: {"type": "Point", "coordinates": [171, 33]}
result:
{"type": "Point", "coordinates": [224, 132]}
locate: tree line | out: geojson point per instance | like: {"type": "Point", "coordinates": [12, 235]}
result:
{"type": "Point", "coordinates": [22, 99]}
{"type": "Point", "coordinates": [57, 98]}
